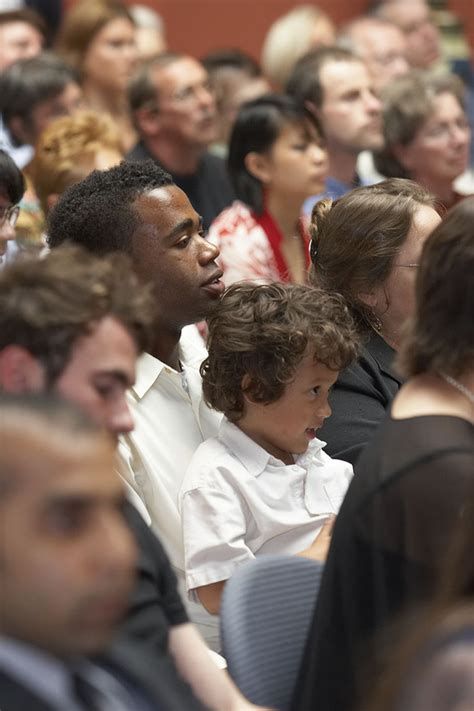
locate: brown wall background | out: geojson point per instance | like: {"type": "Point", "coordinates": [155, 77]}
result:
{"type": "Point", "coordinates": [198, 26]}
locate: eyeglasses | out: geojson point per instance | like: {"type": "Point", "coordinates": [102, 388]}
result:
{"type": "Point", "coordinates": [9, 214]}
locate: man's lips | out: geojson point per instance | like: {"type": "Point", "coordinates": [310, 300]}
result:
{"type": "Point", "coordinates": [214, 283]}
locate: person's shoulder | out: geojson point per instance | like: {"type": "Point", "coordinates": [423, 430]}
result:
{"type": "Point", "coordinates": [15, 696]}
{"type": "Point", "coordinates": [160, 682]}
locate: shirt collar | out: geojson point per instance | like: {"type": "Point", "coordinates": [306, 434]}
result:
{"type": "Point", "coordinates": [253, 457]}
{"type": "Point", "coordinates": [39, 671]}
{"type": "Point", "coordinates": [149, 368]}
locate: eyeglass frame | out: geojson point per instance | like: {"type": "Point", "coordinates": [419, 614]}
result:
{"type": "Point", "coordinates": [10, 215]}
{"type": "Point", "coordinates": [408, 266]}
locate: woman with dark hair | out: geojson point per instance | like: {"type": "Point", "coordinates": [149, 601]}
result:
{"type": "Point", "coordinates": [412, 487]}
{"type": "Point", "coordinates": [12, 187]}
{"type": "Point", "coordinates": [366, 246]}
{"type": "Point", "coordinates": [97, 38]}
{"type": "Point", "coordinates": [276, 160]}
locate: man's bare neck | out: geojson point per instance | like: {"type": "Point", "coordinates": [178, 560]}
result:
{"type": "Point", "coordinates": [342, 166]}
{"type": "Point", "coordinates": [166, 346]}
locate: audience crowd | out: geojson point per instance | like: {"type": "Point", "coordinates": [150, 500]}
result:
{"type": "Point", "coordinates": [236, 319]}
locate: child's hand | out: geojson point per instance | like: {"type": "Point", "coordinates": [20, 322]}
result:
{"type": "Point", "coordinates": [319, 548]}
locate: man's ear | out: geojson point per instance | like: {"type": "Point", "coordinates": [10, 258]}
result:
{"type": "Point", "coordinates": [20, 372]}
{"type": "Point", "coordinates": [51, 200]}
{"type": "Point", "coordinates": [148, 121]}
{"type": "Point", "coordinates": [257, 165]}
{"type": "Point", "coordinates": [19, 131]}
{"type": "Point", "coordinates": [247, 387]}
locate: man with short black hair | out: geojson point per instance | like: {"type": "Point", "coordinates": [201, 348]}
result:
{"type": "Point", "coordinates": [136, 208]}
{"type": "Point", "coordinates": [174, 112]}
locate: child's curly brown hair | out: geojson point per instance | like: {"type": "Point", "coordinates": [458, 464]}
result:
{"type": "Point", "coordinates": [263, 331]}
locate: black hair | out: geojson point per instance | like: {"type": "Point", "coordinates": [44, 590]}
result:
{"type": "Point", "coordinates": [98, 212]}
{"type": "Point", "coordinates": [257, 127]}
{"type": "Point", "coordinates": [28, 82]}
{"type": "Point", "coordinates": [11, 178]}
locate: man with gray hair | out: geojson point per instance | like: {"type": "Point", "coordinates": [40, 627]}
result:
{"type": "Point", "coordinates": [174, 112]}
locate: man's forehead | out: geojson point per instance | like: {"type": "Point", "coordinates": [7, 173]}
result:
{"type": "Point", "coordinates": [166, 206]}
{"type": "Point", "coordinates": [336, 76]}
{"type": "Point", "coordinates": [174, 75]}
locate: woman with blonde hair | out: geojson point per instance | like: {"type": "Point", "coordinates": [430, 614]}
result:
{"type": "Point", "coordinates": [304, 28]}
{"type": "Point", "coordinates": [71, 148]}
{"type": "Point", "coordinates": [97, 37]}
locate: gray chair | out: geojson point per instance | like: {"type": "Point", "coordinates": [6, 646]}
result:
{"type": "Point", "coordinates": [266, 610]}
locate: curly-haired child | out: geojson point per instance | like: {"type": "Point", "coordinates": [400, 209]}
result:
{"type": "Point", "coordinates": [264, 484]}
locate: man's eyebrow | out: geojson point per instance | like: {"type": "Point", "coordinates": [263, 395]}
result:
{"type": "Point", "coordinates": [117, 375]}
{"type": "Point", "coordinates": [183, 226]}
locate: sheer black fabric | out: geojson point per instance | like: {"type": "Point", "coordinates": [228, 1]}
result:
{"type": "Point", "coordinates": [407, 497]}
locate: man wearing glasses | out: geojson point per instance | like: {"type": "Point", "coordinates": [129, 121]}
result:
{"type": "Point", "coordinates": [174, 112]}
{"type": "Point", "coordinates": [12, 187]}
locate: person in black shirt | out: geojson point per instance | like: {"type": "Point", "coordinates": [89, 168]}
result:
{"type": "Point", "coordinates": [411, 487]}
{"type": "Point", "coordinates": [175, 115]}
{"type": "Point", "coordinates": [366, 246]}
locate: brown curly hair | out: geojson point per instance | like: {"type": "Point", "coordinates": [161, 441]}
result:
{"type": "Point", "coordinates": [263, 331]}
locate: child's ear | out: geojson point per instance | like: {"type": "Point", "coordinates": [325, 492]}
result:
{"type": "Point", "coordinates": [247, 386]}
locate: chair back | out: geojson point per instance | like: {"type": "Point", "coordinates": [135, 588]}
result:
{"type": "Point", "coordinates": [266, 610]}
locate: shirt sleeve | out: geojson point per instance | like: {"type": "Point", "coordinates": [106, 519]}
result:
{"type": "Point", "coordinates": [214, 527]}
{"type": "Point", "coordinates": [155, 605]}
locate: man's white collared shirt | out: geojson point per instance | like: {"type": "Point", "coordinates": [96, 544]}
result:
{"type": "Point", "coordinates": [171, 421]}
{"type": "Point", "coordinates": [238, 501]}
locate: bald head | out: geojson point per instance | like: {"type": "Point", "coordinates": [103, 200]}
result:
{"type": "Point", "coordinates": [381, 44]}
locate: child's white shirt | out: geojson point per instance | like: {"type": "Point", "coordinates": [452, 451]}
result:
{"type": "Point", "coordinates": [238, 501]}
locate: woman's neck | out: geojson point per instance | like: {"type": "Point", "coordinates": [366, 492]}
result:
{"type": "Point", "coordinates": [111, 102]}
{"type": "Point", "coordinates": [431, 394]}
{"type": "Point", "coordinates": [286, 213]}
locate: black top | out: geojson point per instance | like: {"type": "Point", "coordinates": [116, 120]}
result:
{"type": "Point", "coordinates": [359, 400]}
{"type": "Point", "coordinates": [408, 494]}
{"type": "Point", "coordinates": [156, 604]}
{"type": "Point", "coordinates": [209, 189]}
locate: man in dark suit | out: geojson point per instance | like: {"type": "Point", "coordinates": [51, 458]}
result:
{"type": "Point", "coordinates": [68, 562]}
